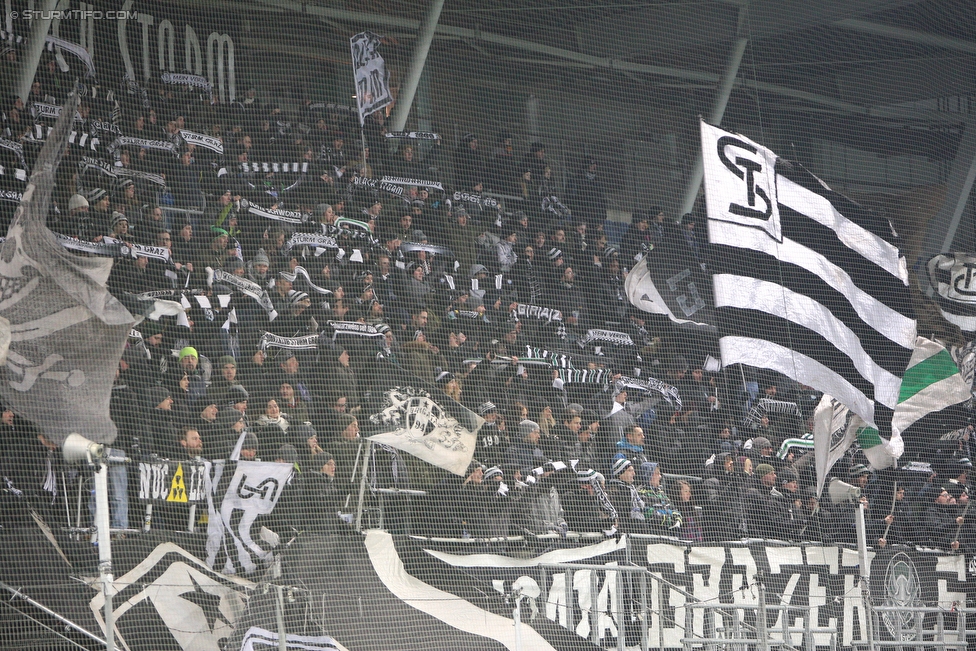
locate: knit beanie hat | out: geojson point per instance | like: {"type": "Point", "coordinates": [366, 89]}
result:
{"type": "Point", "coordinates": [76, 202]}
{"type": "Point", "coordinates": [526, 427]}
{"type": "Point", "coordinates": [619, 466]}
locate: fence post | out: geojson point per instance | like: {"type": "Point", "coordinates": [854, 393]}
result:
{"type": "Point", "coordinates": [761, 624]}
{"type": "Point", "coordinates": [645, 613]}
{"type": "Point", "coordinates": [594, 609]}
{"type": "Point", "coordinates": [280, 616]}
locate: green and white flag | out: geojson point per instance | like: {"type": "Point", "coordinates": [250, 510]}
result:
{"type": "Point", "coordinates": [931, 402]}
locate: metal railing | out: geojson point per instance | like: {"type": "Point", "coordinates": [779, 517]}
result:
{"type": "Point", "coordinates": [918, 636]}
{"type": "Point", "coordinates": [724, 627]}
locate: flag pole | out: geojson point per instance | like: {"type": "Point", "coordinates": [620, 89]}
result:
{"type": "Point", "coordinates": [865, 573]}
{"type": "Point", "coordinates": [105, 551]}
{"type": "Point", "coordinates": [894, 498]}
{"type": "Point", "coordinates": [362, 485]}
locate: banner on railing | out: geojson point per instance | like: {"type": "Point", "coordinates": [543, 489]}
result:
{"type": "Point", "coordinates": [180, 482]}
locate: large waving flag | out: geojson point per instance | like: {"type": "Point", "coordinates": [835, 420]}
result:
{"type": "Point", "coordinates": [806, 282]}
{"type": "Point", "coordinates": [67, 332]}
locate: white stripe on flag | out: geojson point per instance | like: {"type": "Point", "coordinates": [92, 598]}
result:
{"type": "Point", "coordinates": [890, 323]}
{"type": "Point", "coordinates": [766, 354]}
{"type": "Point", "coordinates": [752, 293]}
{"type": "Point", "coordinates": [854, 236]}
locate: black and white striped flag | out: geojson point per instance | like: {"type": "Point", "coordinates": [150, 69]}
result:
{"type": "Point", "coordinates": [806, 282]}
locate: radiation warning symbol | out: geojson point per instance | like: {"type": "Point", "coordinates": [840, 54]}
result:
{"type": "Point", "coordinates": [177, 489]}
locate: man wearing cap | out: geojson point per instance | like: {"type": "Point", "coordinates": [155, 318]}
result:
{"type": "Point", "coordinates": [769, 510]}
{"type": "Point", "coordinates": [197, 369]}
{"type": "Point", "coordinates": [505, 250]}
{"type": "Point", "coordinates": [78, 223]}
{"type": "Point", "coordinates": [942, 519]}
{"type": "Point", "coordinates": [660, 513]}
{"type": "Point", "coordinates": [762, 451]}
{"type": "Point", "coordinates": [844, 516]}
{"type": "Point", "coordinates": [296, 321]}
{"type": "Point", "coordinates": [101, 215]}
{"type": "Point", "coordinates": [492, 442]}
{"type": "Point", "coordinates": [283, 284]}
{"type": "Point", "coordinates": [587, 505]}
{"type": "Point", "coordinates": [215, 255]}
{"type": "Point", "coordinates": [225, 378]}
{"type": "Point", "coordinates": [625, 498]}
{"type": "Point", "coordinates": [119, 226]}
{"type": "Point", "coordinates": [526, 453]}
{"type": "Point", "coordinates": [249, 447]}
{"type": "Point", "coordinates": [257, 268]}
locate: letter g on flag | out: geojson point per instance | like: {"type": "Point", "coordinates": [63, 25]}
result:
{"type": "Point", "coordinates": [740, 180]}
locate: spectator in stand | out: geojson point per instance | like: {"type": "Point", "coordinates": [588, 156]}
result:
{"type": "Point", "coordinates": [526, 453]}
{"type": "Point", "coordinates": [407, 166]}
{"type": "Point", "coordinates": [692, 529]}
{"type": "Point", "coordinates": [587, 196]}
{"type": "Point", "coordinates": [469, 164]}
{"type": "Point", "coordinates": [943, 520]}
{"type": "Point", "coordinates": [626, 499]}
{"type": "Point", "coordinates": [631, 446]}
{"type": "Point", "coordinates": [660, 515]}
{"type": "Point", "coordinates": [535, 161]}
{"type": "Point", "coordinates": [587, 505]}
{"type": "Point", "coordinates": [502, 166]}
{"type": "Point", "coordinates": [897, 527]}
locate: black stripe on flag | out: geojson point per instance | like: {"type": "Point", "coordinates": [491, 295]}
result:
{"type": "Point", "coordinates": [864, 275]}
{"type": "Point", "coordinates": [755, 264]}
{"type": "Point", "coordinates": [863, 217]}
{"type": "Point", "coordinates": [756, 324]}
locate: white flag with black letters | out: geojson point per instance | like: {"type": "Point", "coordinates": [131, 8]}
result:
{"type": "Point", "coordinates": [369, 69]}
{"type": "Point", "coordinates": [806, 282]}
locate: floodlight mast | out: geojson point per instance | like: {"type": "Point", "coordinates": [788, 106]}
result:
{"type": "Point", "coordinates": [77, 449]}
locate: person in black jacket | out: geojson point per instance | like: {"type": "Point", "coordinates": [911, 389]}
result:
{"type": "Point", "coordinates": [469, 164]}
{"type": "Point", "coordinates": [942, 521]}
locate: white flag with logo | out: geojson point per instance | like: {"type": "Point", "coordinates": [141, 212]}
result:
{"type": "Point", "coordinates": [806, 281]}
{"type": "Point", "coordinates": [253, 491]}
{"type": "Point", "coordinates": [426, 423]}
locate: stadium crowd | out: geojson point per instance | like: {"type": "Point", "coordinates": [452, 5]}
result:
{"type": "Point", "coordinates": [472, 270]}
